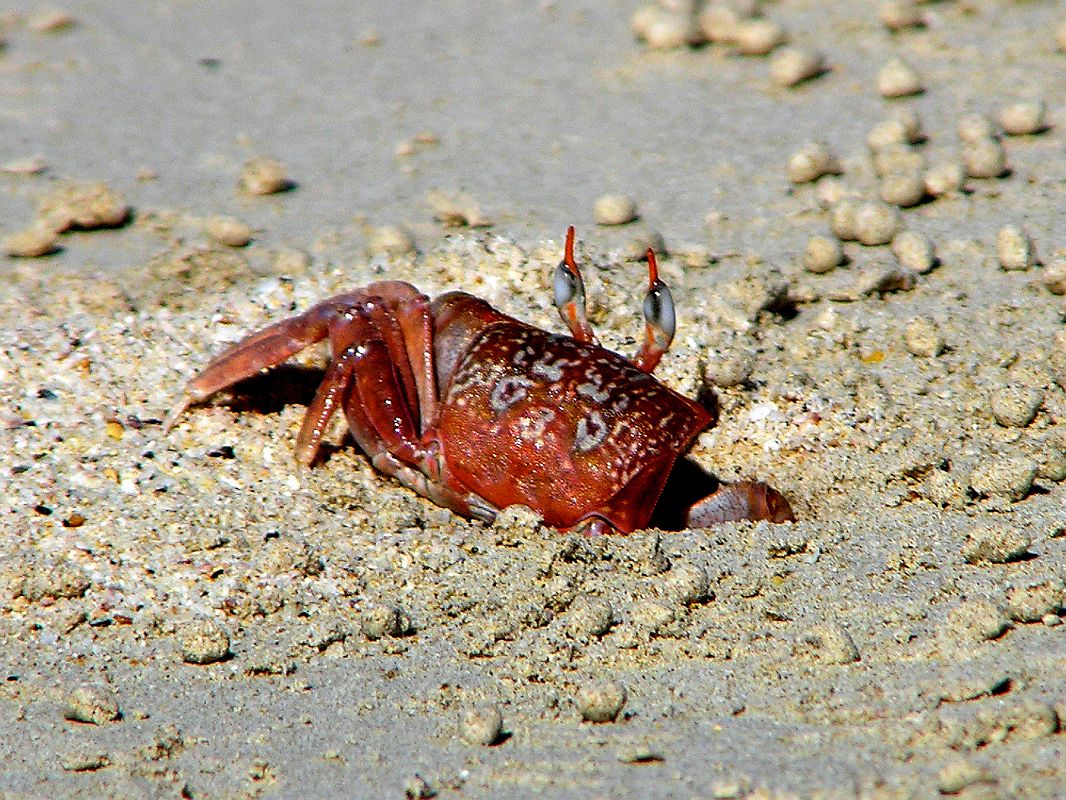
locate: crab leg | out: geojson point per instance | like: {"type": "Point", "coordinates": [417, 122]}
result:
{"type": "Point", "coordinates": [749, 500]}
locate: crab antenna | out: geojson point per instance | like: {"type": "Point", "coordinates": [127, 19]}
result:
{"type": "Point", "coordinates": [570, 294]}
{"type": "Point", "coordinates": [659, 319]}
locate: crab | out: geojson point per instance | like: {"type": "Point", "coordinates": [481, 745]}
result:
{"type": "Point", "coordinates": [476, 410]}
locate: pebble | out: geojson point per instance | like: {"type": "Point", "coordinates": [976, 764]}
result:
{"type": "Point", "coordinates": [979, 619]}
{"type": "Point", "coordinates": [228, 231]}
{"type": "Point", "coordinates": [876, 223]}
{"type": "Point", "coordinates": [987, 544]}
{"type": "Point", "coordinates": [757, 37]}
{"type": "Point", "coordinates": [391, 241]}
{"type": "Point", "coordinates": [791, 66]}
{"type": "Point", "coordinates": [686, 584]}
{"type": "Point", "coordinates": [945, 178]}
{"type": "Point", "coordinates": [481, 725]}
{"type": "Point", "coordinates": [204, 641]}
{"type": "Point", "coordinates": [379, 621]}
{"type": "Point", "coordinates": [1023, 119]}
{"type": "Point", "coordinates": [829, 643]}
{"type": "Point", "coordinates": [263, 176]}
{"type": "Point", "coordinates": [1054, 275]}
{"type": "Point", "coordinates": [974, 127]}
{"type": "Point", "coordinates": [984, 158]}
{"type": "Point", "coordinates": [1014, 248]}
{"type": "Point", "coordinates": [1031, 599]}
{"type": "Point", "coordinates": [897, 15]}
{"type": "Point", "coordinates": [822, 254]}
{"type": "Point", "coordinates": [614, 209]}
{"type": "Point", "coordinates": [35, 241]}
{"type": "Point", "coordinates": [957, 775]}
{"type": "Point", "coordinates": [601, 702]}
{"type": "Point", "coordinates": [922, 337]}
{"type": "Point", "coordinates": [811, 162]}
{"type": "Point", "coordinates": [93, 704]}
{"type": "Point", "coordinates": [82, 207]}
{"type": "Point", "coordinates": [1016, 406]}
{"type": "Point", "coordinates": [589, 616]}
{"type": "Point", "coordinates": [843, 222]}
{"type": "Point", "coordinates": [914, 251]}
{"type": "Point", "coordinates": [897, 78]}
{"type": "Point", "coordinates": [904, 189]}
{"type": "Point", "coordinates": [417, 788]}
{"type": "Point", "coordinates": [1006, 476]}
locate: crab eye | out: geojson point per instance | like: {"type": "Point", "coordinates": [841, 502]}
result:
{"type": "Point", "coordinates": [568, 286]}
{"type": "Point", "coordinates": [659, 312]}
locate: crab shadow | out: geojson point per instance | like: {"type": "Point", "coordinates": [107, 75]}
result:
{"type": "Point", "coordinates": [269, 392]}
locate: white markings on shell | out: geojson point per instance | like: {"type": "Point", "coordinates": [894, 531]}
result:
{"type": "Point", "coordinates": [509, 390]}
{"type": "Point", "coordinates": [591, 431]}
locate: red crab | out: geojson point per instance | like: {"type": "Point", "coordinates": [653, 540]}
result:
{"type": "Point", "coordinates": [477, 411]}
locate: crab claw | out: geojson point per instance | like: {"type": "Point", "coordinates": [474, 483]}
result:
{"type": "Point", "coordinates": [750, 500]}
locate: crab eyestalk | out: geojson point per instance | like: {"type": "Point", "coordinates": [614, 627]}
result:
{"type": "Point", "coordinates": [659, 319]}
{"type": "Point", "coordinates": [570, 294]}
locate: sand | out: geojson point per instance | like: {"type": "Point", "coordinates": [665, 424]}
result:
{"type": "Point", "coordinates": [195, 615]}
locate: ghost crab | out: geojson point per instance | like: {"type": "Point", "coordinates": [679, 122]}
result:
{"type": "Point", "coordinates": [476, 410]}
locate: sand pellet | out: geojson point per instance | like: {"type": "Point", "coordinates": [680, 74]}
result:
{"type": "Point", "coordinates": [228, 231]}
{"type": "Point", "coordinates": [757, 37]}
{"type": "Point", "coordinates": [1014, 248]}
{"type": "Point", "coordinates": [82, 207]}
{"type": "Point", "coordinates": [481, 725]}
{"type": "Point", "coordinates": [614, 209]}
{"type": "Point", "coordinates": [93, 704]}
{"type": "Point", "coordinates": [897, 78]}
{"type": "Point", "coordinates": [914, 251]}
{"type": "Point", "coordinates": [1004, 476]}
{"type": "Point", "coordinates": [923, 338]}
{"type": "Point", "coordinates": [719, 22]}
{"type": "Point", "coordinates": [944, 178]}
{"type": "Point", "coordinates": [959, 775]}
{"type": "Point", "coordinates": [686, 584]}
{"type": "Point", "coordinates": [811, 162]}
{"type": "Point", "coordinates": [822, 254]}
{"type": "Point", "coordinates": [263, 176]}
{"type": "Point", "coordinates": [1022, 119]}
{"type": "Point", "coordinates": [885, 133]}
{"type": "Point", "coordinates": [601, 702]}
{"type": "Point", "coordinates": [984, 158]}
{"type": "Point", "coordinates": [899, 157]}
{"type": "Point", "coordinates": [876, 223]}
{"type": "Point", "coordinates": [204, 641]}
{"type": "Point", "coordinates": [899, 14]}
{"type": "Point", "coordinates": [1060, 37]}
{"type": "Point", "coordinates": [979, 619]}
{"type": "Point", "coordinates": [972, 127]}
{"type": "Point", "coordinates": [391, 241]}
{"type": "Point", "coordinates": [843, 222]}
{"type": "Point", "coordinates": [589, 616]}
{"type": "Point", "coordinates": [1054, 275]}
{"type": "Point", "coordinates": [791, 66]}
{"type": "Point", "coordinates": [1016, 406]}
{"type": "Point", "coordinates": [661, 29]}
{"type": "Point", "coordinates": [987, 544]}
{"type": "Point", "coordinates": [33, 242]}
{"type": "Point", "coordinates": [829, 643]}
{"type": "Point", "coordinates": [380, 621]}
{"type": "Point", "coordinates": [903, 189]}
{"type": "Point", "coordinates": [1029, 599]}
{"type": "Point", "coordinates": [830, 190]}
